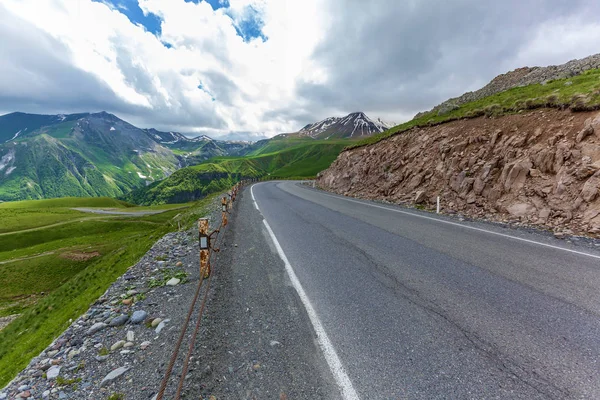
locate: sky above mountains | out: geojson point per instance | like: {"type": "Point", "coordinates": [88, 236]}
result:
{"type": "Point", "coordinates": [248, 68]}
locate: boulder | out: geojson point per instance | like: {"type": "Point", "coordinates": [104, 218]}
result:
{"type": "Point", "coordinates": [515, 179]}
{"type": "Point", "coordinates": [590, 188]}
{"type": "Point", "coordinates": [420, 197]}
{"type": "Point", "coordinates": [521, 209]}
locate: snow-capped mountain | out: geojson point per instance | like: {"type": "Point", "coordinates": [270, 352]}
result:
{"type": "Point", "coordinates": [165, 137]}
{"type": "Point", "coordinates": [354, 125]}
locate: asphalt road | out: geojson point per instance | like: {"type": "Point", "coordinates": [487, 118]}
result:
{"type": "Point", "coordinates": [413, 306]}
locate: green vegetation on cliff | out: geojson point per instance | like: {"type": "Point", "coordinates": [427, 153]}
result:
{"type": "Point", "coordinates": [578, 93]}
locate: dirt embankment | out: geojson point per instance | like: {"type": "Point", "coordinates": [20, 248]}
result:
{"type": "Point", "coordinates": [539, 168]}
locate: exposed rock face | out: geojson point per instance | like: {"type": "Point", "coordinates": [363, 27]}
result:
{"type": "Point", "coordinates": [536, 168]}
{"type": "Point", "coordinates": [521, 77]}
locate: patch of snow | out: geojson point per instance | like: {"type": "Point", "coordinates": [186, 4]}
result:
{"type": "Point", "coordinates": [14, 137]}
{"type": "Point", "coordinates": [112, 128]}
{"type": "Point", "coordinates": [6, 159]}
{"type": "Point", "coordinates": [62, 117]}
{"type": "Point", "coordinates": [157, 137]}
{"type": "Point", "coordinates": [142, 176]}
{"type": "Point", "coordinates": [9, 170]}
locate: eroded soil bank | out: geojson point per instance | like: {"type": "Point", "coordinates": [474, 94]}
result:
{"type": "Point", "coordinates": [536, 168]}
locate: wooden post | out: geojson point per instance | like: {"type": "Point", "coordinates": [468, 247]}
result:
{"type": "Point", "coordinates": [204, 262]}
{"type": "Point", "coordinates": [224, 210]}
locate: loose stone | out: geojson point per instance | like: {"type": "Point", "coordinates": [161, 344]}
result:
{"type": "Point", "coordinates": [120, 320]}
{"type": "Point", "coordinates": [53, 372]}
{"type": "Point", "coordinates": [113, 375]}
{"type": "Point", "coordinates": [117, 345]}
{"type": "Point", "coordinates": [138, 316]}
{"type": "Point", "coordinates": [173, 281]}
{"type": "Point", "coordinates": [156, 321]}
{"type": "Point", "coordinates": [98, 326]}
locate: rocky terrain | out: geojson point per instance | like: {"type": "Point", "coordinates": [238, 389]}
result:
{"type": "Point", "coordinates": [121, 345]}
{"type": "Point", "coordinates": [537, 168]}
{"type": "Point", "coordinates": [520, 77]}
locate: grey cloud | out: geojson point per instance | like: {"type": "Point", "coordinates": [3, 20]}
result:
{"type": "Point", "coordinates": [36, 73]}
{"type": "Point", "coordinates": [402, 57]}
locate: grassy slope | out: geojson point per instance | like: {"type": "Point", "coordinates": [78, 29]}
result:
{"type": "Point", "coordinates": [69, 286]}
{"type": "Point", "coordinates": [288, 158]}
{"type": "Point", "coordinates": [580, 92]}
{"type": "Point", "coordinates": [27, 214]}
{"type": "Point", "coordinates": [66, 202]}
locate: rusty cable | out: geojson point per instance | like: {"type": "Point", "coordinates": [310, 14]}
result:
{"type": "Point", "coordinates": [184, 370]}
{"type": "Point", "coordinates": [175, 354]}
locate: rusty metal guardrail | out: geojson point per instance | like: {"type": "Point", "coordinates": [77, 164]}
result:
{"type": "Point", "coordinates": [208, 246]}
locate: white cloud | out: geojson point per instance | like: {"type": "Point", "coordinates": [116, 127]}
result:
{"type": "Point", "coordinates": [321, 57]}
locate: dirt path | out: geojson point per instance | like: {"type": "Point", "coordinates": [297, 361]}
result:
{"type": "Point", "coordinates": [27, 258]}
{"type": "Point", "coordinates": [125, 213]}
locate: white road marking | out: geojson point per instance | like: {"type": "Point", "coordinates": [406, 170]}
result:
{"type": "Point", "coordinates": [465, 226]}
{"type": "Point", "coordinates": [254, 198]}
{"type": "Point", "coordinates": [337, 369]}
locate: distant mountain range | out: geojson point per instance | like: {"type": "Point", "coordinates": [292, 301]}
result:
{"type": "Point", "coordinates": [99, 154]}
{"type": "Point", "coordinates": [44, 156]}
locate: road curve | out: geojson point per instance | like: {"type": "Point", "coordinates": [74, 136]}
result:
{"type": "Point", "coordinates": [420, 307]}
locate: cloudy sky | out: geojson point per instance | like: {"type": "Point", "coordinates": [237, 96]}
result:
{"type": "Point", "coordinates": [247, 68]}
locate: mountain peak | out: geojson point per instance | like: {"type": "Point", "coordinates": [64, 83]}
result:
{"type": "Point", "coordinates": [353, 125]}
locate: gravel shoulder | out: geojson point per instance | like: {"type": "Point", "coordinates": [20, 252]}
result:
{"type": "Point", "coordinates": [257, 340]}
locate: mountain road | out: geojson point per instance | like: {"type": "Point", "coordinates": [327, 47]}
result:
{"type": "Point", "coordinates": [405, 304]}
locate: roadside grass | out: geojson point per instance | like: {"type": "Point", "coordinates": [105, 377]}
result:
{"type": "Point", "coordinates": [578, 93]}
{"type": "Point", "coordinates": [26, 218]}
{"type": "Point", "coordinates": [70, 284]}
{"type": "Point", "coordinates": [67, 202]}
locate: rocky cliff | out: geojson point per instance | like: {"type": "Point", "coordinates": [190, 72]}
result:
{"type": "Point", "coordinates": [540, 168]}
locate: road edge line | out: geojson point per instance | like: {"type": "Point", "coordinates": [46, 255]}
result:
{"type": "Point", "coordinates": [335, 365]}
{"type": "Point", "coordinates": [254, 198]}
{"type": "Point", "coordinates": [464, 226]}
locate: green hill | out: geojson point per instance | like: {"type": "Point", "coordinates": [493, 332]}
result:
{"type": "Point", "coordinates": [292, 158]}
{"type": "Point", "coordinates": [48, 156]}
{"type": "Point", "coordinates": [77, 155]}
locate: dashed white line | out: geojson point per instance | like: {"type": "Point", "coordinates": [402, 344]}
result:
{"type": "Point", "coordinates": [337, 369]}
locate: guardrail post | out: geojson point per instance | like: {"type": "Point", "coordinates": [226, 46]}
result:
{"type": "Point", "coordinates": [224, 210]}
{"type": "Point", "coordinates": [438, 205]}
{"type": "Point", "coordinates": [204, 247]}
